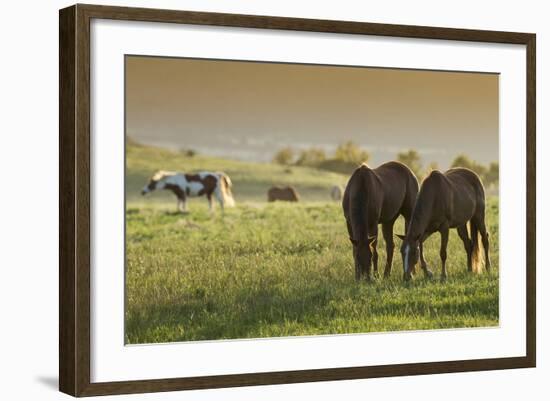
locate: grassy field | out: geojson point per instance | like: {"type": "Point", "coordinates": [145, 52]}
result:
{"type": "Point", "coordinates": [251, 180]}
{"type": "Point", "coordinates": [265, 270]}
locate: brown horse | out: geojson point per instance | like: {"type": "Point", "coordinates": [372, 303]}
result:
{"type": "Point", "coordinates": [448, 200]}
{"type": "Point", "coordinates": [287, 193]}
{"type": "Point", "coordinates": [372, 197]}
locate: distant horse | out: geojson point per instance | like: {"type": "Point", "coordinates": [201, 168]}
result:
{"type": "Point", "coordinates": [372, 197]}
{"type": "Point", "coordinates": [336, 192]}
{"type": "Point", "coordinates": [186, 185]}
{"type": "Point", "coordinates": [287, 193]}
{"type": "Point", "coordinates": [448, 200]}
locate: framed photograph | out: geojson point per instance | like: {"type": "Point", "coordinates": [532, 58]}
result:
{"type": "Point", "coordinates": [250, 200]}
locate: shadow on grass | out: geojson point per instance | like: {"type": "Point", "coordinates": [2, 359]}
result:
{"type": "Point", "coordinates": [308, 310]}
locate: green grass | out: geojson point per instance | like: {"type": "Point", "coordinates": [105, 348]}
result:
{"type": "Point", "coordinates": [267, 270]}
{"type": "Point", "coordinates": [250, 180]}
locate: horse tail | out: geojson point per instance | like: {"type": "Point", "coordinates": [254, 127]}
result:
{"type": "Point", "coordinates": [225, 184]}
{"type": "Point", "coordinates": [477, 259]}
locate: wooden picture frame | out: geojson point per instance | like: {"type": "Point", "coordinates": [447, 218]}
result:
{"type": "Point", "coordinates": [74, 200]}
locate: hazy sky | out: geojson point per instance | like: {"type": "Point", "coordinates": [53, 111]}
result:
{"type": "Point", "coordinates": [248, 110]}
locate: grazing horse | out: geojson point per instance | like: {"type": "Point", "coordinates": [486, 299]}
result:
{"type": "Point", "coordinates": [185, 185]}
{"type": "Point", "coordinates": [336, 192]}
{"type": "Point", "coordinates": [372, 197]}
{"type": "Point", "coordinates": [288, 194]}
{"type": "Point", "coordinates": [448, 200]}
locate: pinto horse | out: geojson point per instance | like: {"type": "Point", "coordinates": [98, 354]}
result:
{"type": "Point", "coordinates": [372, 197]}
{"type": "Point", "coordinates": [448, 200]}
{"type": "Point", "coordinates": [186, 185]}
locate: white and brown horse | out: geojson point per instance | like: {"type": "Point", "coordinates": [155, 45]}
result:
{"type": "Point", "coordinates": [189, 185]}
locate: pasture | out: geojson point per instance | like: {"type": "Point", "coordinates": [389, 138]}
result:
{"type": "Point", "coordinates": [268, 270]}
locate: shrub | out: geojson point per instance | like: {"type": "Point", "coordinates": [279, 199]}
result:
{"type": "Point", "coordinates": [492, 174]}
{"type": "Point", "coordinates": [311, 157]}
{"type": "Point", "coordinates": [411, 158]}
{"type": "Point", "coordinates": [464, 161]}
{"type": "Point", "coordinates": [351, 152]}
{"type": "Point", "coordinates": [284, 156]}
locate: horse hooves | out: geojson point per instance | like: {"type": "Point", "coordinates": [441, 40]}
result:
{"type": "Point", "coordinates": [443, 279]}
{"type": "Point", "coordinates": [428, 274]}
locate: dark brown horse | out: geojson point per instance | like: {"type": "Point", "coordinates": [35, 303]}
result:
{"type": "Point", "coordinates": [372, 197]}
{"type": "Point", "coordinates": [288, 194]}
{"type": "Point", "coordinates": [448, 200]}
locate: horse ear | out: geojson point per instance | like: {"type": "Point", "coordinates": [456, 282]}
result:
{"type": "Point", "coordinates": [401, 237]}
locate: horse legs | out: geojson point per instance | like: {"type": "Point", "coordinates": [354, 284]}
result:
{"type": "Point", "coordinates": [219, 197]}
{"type": "Point", "coordinates": [182, 205]}
{"type": "Point", "coordinates": [374, 244]}
{"type": "Point", "coordinates": [485, 240]}
{"type": "Point", "coordinates": [209, 197]}
{"type": "Point", "coordinates": [407, 222]}
{"type": "Point", "coordinates": [443, 251]}
{"type": "Point", "coordinates": [423, 264]}
{"type": "Point", "coordinates": [463, 234]}
{"type": "Point", "coordinates": [479, 221]}
{"type": "Point", "coordinates": [387, 232]}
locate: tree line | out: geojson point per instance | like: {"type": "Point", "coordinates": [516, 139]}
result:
{"type": "Point", "coordinates": [348, 155]}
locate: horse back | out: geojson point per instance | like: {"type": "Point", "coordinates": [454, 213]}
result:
{"type": "Point", "coordinates": [361, 203]}
{"type": "Point", "coordinates": [466, 181]}
{"type": "Point", "coordinates": [468, 194]}
{"type": "Point", "coordinates": [399, 187]}
{"type": "Point", "coordinates": [374, 196]}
